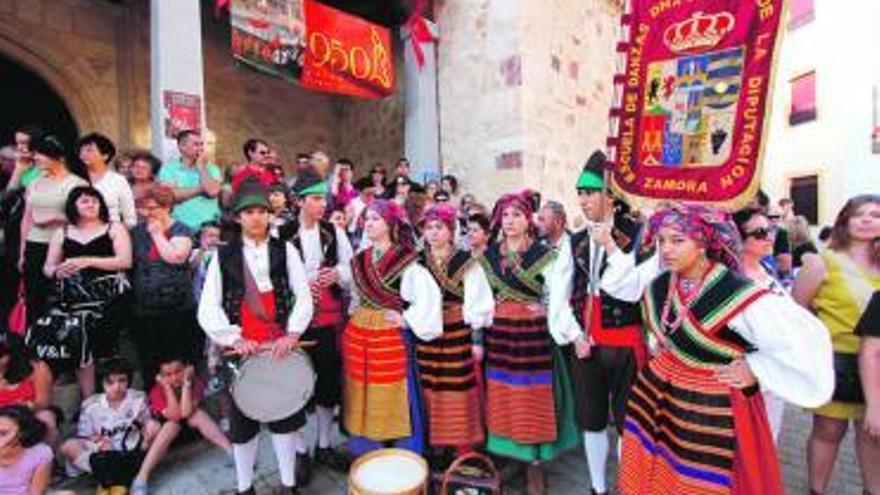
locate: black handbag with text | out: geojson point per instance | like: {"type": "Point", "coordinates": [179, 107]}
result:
{"type": "Point", "coordinates": [59, 338]}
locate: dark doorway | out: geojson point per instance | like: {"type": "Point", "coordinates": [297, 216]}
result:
{"type": "Point", "coordinates": [25, 98]}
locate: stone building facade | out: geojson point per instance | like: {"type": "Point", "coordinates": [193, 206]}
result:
{"type": "Point", "coordinates": [525, 88]}
{"type": "Point", "coordinates": [96, 55]}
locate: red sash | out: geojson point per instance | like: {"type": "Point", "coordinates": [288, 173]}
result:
{"type": "Point", "coordinates": [627, 336]}
{"type": "Point", "coordinates": [258, 329]}
{"type": "Point", "coordinates": [328, 309]}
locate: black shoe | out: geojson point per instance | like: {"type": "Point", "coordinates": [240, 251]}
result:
{"type": "Point", "coordinates": [249, 491]}
{"type": "Point", "coordinates": [334, 459]}
{"type": "Point", "coordinates": [594, 492]}
{"type": "Point", "coordinates": [303, 469]}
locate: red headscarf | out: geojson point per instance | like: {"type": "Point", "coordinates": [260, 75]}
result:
{"type": "Point", "coordinates": [444, 213]}
{"type": "Point", "coordinates": [524, 201]}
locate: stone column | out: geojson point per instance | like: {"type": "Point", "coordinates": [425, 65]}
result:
{"type": "Point", "coordinates": [176, 66]}
{"type": "Point", "coordinates": [525, 88]}
{"type": "Point", "coordinates": [421, 128]}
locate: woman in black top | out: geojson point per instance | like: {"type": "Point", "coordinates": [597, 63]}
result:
{"type": "Point", "coordinates": [90, 253]}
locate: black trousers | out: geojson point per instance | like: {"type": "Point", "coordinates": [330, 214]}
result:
{"type": "Point", "coordinates": [38, 288]}
{"type": "Point", "coordinates": [601, 385]}
{"type": "Point", "coordinates": [242, 428]}
{"type": "Point", "coordinates": [327, 363]}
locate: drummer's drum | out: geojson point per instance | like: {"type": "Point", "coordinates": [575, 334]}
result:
{"type": "Point", "coordinates": [388, 472]}
{"type": "Point", "coordinates": [269, 389]}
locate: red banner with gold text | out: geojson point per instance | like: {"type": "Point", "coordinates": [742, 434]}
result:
{"type": "Point", "coordinates": [692, 108]}
{"type": "Point", "coordinates": [346, 54]}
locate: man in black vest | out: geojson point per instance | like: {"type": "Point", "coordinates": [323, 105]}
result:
{"type": "Point", "coordinates": [608, 340]}
{"type": "Point", "coordinates": [256, 295]}
{"type": "Point", "coordinates": [326, 255]}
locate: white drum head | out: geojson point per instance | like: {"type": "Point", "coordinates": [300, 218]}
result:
{"type": "Point", "coordinates": [390, 473]}
{"type": "Point", "coordinates": [268, 389]}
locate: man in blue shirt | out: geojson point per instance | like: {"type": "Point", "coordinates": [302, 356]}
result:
{"type": "Point", "coordinates": [196, 184]}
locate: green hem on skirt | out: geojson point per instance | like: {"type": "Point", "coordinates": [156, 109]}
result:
{"type": "Point", "coordinates": [568, 435]}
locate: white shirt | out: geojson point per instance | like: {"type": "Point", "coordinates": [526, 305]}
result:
{"type": "Point", "coordinates": [118, 196]}
{"type": "Point", "coordinates": [313, 254]}
{"type": "Point", "coordinates": [213, 318]}
{"type": "Point", "coordinates": [97, 418]}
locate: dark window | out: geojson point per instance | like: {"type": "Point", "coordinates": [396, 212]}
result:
{"type": "Point", "coordinates": [804, 191]}
{"type": "Point", "coordinates": [803, 99]}
{"type": "Point", "coordinates": [801, 13]}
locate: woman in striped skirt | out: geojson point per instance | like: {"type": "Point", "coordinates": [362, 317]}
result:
{"type": "Point", "coordinates": [447, 367]}
{"type": "Point", "coordinates": [696, 422]}
{"type": "Point", "coordinates": [395, 300]}
{"type": "Point", "coordinates": [529, 398]}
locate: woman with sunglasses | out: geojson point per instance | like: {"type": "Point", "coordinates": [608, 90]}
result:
{"type": "Point", "coordinates": [695, 422]}
{"type": "Point", "coordinates": [837, 285]}
{"type": "Point", "coordinates": [758, 237]}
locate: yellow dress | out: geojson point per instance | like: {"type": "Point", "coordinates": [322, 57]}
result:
{"type": "Point", "coordinates": [839, 303]}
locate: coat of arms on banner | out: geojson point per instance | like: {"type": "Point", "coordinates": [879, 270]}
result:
{"type": "Point", "coordinates": [693, 99]}
{"type": "Point", "coordinates": [689, 110]}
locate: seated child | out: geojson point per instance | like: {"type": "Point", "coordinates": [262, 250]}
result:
{"type": "Point", "coordinates": [174, 402]}
{"type": "Point", "coordinates": [114, 420]}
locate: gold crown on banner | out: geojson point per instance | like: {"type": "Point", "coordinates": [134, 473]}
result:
{"type": "Point", "coordinates": [701, 31]}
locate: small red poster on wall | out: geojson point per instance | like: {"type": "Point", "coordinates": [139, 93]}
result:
{"type": "Point", "coordinates": [346, 54]}
{"type": "Point", "coordinates": [183, 112]}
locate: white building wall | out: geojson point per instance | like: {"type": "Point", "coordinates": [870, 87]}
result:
{"type": "Point", "coordinates": [841, 45]}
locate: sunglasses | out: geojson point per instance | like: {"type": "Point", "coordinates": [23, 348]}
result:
{"type": "Point", "coordinates": [759, 234]}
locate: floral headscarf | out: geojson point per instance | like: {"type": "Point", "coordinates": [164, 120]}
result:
{"type": "Point", "coordinates": [712, 228]}
{"type": "Point", "coordinates": [398, 223]}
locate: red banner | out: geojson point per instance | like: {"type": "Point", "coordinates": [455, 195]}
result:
{"type": "Point", "coordinates": [346, 54]}
{"type": "Point", "coordinates": [693, 101]}
{"type": "Point", "coordinates": [183, 112]}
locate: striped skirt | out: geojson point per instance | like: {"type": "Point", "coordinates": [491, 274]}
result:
{"type": "Point", "coordinates": [449, 384]}
{"type": "Point", "coordinates": [686, 433]}
{"type": "Point", "coordinates": [519, 375]}
{"type": "Point", "coordinates": [375, 396]}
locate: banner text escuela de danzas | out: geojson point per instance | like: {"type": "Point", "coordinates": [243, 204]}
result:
{"type": "Point", "coordinates": [691, 120]}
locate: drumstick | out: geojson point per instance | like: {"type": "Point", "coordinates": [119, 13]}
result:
{"type": "Point", "coordinates": [267, 346]}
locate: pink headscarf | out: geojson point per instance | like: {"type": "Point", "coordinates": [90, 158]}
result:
{"type": "Point", "coordinates": [445, 213]}
{"type": "Point", "coordinates": [395, 216]}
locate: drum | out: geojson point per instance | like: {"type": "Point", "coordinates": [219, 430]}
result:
{"type": "Point", "coordinates": [267, 389]}
{"type": "Point", "coordinates": [388, 472]}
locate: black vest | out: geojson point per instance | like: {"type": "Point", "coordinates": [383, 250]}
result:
{"type": "Point", "coordinates": [615, 313]}
{"type": "Point", "coordinates": [329, 247]}
{"type": "Point", "coordinates": [232, 270]}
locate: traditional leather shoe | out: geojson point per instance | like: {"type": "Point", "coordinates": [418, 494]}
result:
{"type": "Point", "coordinates": [303, 469]}
{"type": "Point", "coordinates": [536, 479]}
{"type": "Point", "coordinates": [332, 458]}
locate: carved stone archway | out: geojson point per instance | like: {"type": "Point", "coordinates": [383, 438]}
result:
{"type": "Point", "coordinates": [60, 78]}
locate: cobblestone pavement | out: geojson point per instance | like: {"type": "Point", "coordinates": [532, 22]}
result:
{"type": "Point", "coordinates": [199, 470]}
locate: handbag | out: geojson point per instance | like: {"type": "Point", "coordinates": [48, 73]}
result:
{"type": "Point", "coordinates": [60, 338]}
{"type": "Point", "coordinates": [847, 381]}
{"type": "Point", "coordinates": [101, 290]}
{"type": "Point", "coordinates": [18, 315]}
{"type": "Point", "coordinates": [161, 287]}
{"type": "Point", "coordinates": [119, 467]}
{"type": "Point", "coordinates": [470, 474]}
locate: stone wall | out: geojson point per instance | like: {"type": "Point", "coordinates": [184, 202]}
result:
{"type": "Point", "coordinates": [71, 44]}
{"type": "Point", "coordinates": [96, 55]}
{"type": "Point", "coordinates": [524, 91]}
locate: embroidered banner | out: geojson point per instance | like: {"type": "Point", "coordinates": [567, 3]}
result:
{"type": "Point", "coordinates": [346, 54]}
{"type": "Point", "coordinates": [269, 35]}
{"type": "Point", "coordinates": [692, 105]}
